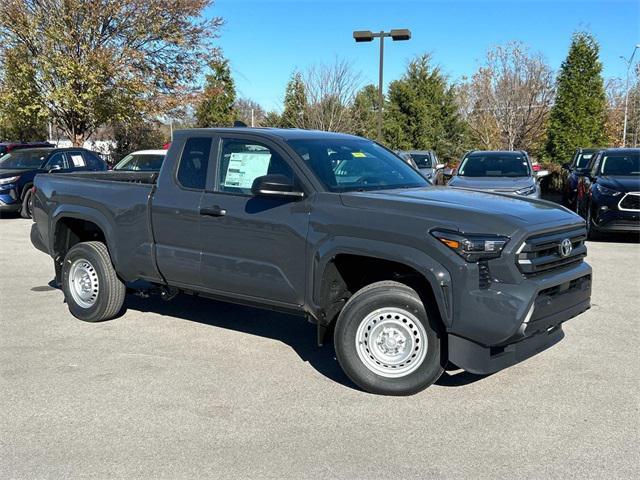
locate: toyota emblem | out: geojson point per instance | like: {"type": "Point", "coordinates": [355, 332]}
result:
{"type": "Point", "coordinates": [565, 247]}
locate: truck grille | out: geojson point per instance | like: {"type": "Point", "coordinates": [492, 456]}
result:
{"type": "Point", "coordinates": [484, 277]}
{"type": "Point", "coordinates": [544, 253]}
{"type": "Point", "coordinates": [631, 201]}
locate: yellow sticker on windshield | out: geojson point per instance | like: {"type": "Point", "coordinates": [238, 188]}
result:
{"type": "Point", "coordinates": [358, 154]}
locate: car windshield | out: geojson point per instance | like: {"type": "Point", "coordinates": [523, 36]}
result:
{"type": "Point", "coordinates": [23, 159]}
{"type": "Point", "coordinates": [423, 160]}
{"type": "Point", "coordinates": [621, 164]}
{"type": "Point", "coordinates": [494, 166]}
{"type": "Point", "coordinates": [346, 165]}
{"type": "Point", "coordinates": [141, 162]}
{"type": "Point", "coordinates": [583, 160]}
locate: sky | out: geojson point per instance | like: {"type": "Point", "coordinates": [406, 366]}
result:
{"type": "Point", "coordinates": [266, 40]}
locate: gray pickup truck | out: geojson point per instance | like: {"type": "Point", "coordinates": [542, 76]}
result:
{"type": "Point", "coordinates": [333, 227]}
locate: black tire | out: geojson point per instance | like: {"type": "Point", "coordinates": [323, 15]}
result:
{"type": "Point", "coordinates": [25, 211]}
{"type": "Point", "coordinates": [592, 232]}
{"type": "Point", "coordinates": [360, 309]}
{"type": "Point", "coordinates": [107, 298]}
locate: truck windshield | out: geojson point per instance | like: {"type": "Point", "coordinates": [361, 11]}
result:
{"type": "Point", "coordinates": [625, 165]}
{"type": "Point", "coordinates": [583, 160]}
{"type": "Point", "coordinates": [347, 165]}
{"type": "Point", "coordinates": [494, 166]}
{"type": "Point", "coordinates": [27, 159]}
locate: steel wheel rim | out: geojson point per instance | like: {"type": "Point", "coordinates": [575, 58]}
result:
{"type": "Point", "coordinates": [83, 283]}
{"type": "Point", "coordinates": [391, 342]}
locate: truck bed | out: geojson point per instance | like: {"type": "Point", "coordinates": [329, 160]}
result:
{"type": "Point", "coordinates": [116, 176]}
{"type": "Point", "coordinates": [117, 202]}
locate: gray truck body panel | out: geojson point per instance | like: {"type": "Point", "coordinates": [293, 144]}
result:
{"type": "Point", "coordinates": [274, 252]}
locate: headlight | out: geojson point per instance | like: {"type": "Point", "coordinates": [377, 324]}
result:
{"type": "Point", "coordinates": [472, 247]}
{"type": "Point", "coordinates": [606, 191]}
{"type": "Point", "coordinates": [527, 191]}
{"type": "Point", "coordinates": [4, 181]}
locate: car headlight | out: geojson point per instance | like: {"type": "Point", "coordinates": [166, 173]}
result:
{"type": "Point", "coordinates": [472, 247]}
{"type": "Point", "coordinates": [606, 191]}
{"type": "Point", "coordinates": [527, 191]}
{"type": "Point", "coordinates": [4, 181]}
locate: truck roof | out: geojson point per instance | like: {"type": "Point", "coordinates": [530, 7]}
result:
{"type": "Point", "coordinates": [282, 133]}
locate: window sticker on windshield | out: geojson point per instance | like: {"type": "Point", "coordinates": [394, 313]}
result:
{"type": "Point", "coordinates": [77, 160]}
{"type": "Point", "coordinates": [244, 168]}
{"type": "Point", "coordinates": [358, 154]}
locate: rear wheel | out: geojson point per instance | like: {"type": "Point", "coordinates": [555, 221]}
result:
{"type": "Point", "coordinates": [91, 287]}
{"type": "Point", "coordinates": [386, 343]}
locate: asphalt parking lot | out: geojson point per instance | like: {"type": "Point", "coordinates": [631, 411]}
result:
{"type": "Point", "coordinates": [199, 389]}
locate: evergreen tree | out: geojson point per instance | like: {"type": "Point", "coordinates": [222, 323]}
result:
{"type": "Point", "coordinates": [579, 115]}
{"type": "Point", "coordinates": [216, 105]}
{"type": "Point", "coordinates": [295, 103]}
{"type": "Point", "coordinates": [364, 112]}
{"type": "Point", "coordinates": [422, 112]}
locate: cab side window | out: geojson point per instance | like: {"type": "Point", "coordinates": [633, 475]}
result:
{"type": "Point", "coordinates": [192, 170]}
{"type": "Point", "coordinates": [241, 162]}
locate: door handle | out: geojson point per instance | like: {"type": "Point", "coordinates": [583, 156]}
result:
{"type": "Point", "coordinates": [214, 211]}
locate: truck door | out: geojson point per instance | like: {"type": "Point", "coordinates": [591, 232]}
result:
{"type": "Point", "coordinates": [252, 247]}
{"type": "Point", "coordinates": [176, 211]}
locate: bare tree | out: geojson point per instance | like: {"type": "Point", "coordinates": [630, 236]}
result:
{"type": "Point", "coordinates": [330, 91]}
{"type": "Point", "coordinates": [249, 111]}
{"type": "Point", "coordinates": [510, 97]}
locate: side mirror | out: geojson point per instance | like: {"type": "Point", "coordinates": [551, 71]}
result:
{"type": "Point", "coordinates": [275, 185]}
{"type": "Point", "coordinates": [542, 173]}
{"type": "Point", "coordinates": [566, 166]}
{"type": "Point", "coordinates": [440, 166]}
{"type": "Point", "coordinates": [54, 168]}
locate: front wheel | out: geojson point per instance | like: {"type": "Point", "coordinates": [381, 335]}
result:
{"type": "Point", "coordinates": [91, 287]}
{"type": "Point", "coordinates": [27, 202]}
{"type": "Point", "coordinates": [385, 341]}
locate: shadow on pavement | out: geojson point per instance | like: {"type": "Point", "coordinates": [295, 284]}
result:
{"type": "Point", "coordinates": [289, 329]}
{"type": "Point", "coordinates": [458, 378]}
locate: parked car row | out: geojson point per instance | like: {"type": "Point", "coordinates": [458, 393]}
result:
{"type": "Point", "coordinates": [602, 185]}
{"type": "Point", "coordinates": [19, 167]}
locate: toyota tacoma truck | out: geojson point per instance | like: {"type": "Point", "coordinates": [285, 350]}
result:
{"type": "Point", "coordinates": [336, 228]}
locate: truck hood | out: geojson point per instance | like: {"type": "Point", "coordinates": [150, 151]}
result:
{"type": "Point", "coordinates": [466, 210]}
{"type": "Point", "coordinates": [13, 172]}
{"type": "Point", "coordinates": [621, 183]}
{"type": "Point", "coordinates": [503, 184]}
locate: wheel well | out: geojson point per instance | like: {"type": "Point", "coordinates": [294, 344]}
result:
{"type": "Point", "coordinates": [346, 274]}
{"type": "Point", "coordinates": [25, 189]}
{"type": "Point", "coordinates": [70, 231]}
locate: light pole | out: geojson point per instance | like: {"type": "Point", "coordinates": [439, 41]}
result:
{"type": "Point", "coordinates": [629, 62]}
{"type": "Point", "coordinates": [368, 36]}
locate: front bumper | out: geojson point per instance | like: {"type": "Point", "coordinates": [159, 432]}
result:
{"type": "Point", "coordinates": [617, 221]}
{"type": "Point", "coordinates": [539, 330]}
{"type": "Point", "coordinates": [9, 199]}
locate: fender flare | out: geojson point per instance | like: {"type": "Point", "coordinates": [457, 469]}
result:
{"type": "Point", "coordinates": [92, 215]}
{"type": "Point", "coordinates": [438, 277]}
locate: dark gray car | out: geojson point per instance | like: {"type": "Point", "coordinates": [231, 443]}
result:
{"type": "Point", "coordinates": [426, 162]}
{"type": "Point", "coordinates": [332, 227]}
{"type": "Point", "coordinates": [498, 171]}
